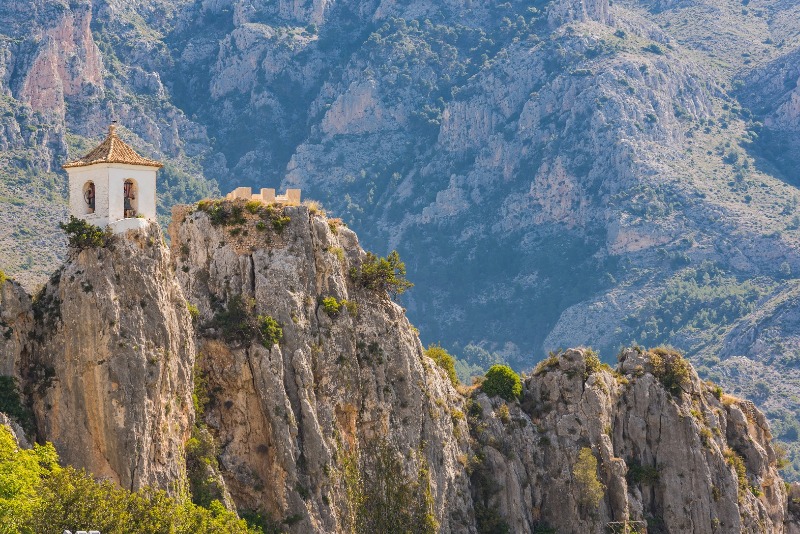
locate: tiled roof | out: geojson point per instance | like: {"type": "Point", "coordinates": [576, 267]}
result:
{"type": "Point", "coordinates": [112, 150]}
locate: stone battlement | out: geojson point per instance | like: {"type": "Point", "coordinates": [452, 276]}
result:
{"type": "Point", "coordinates": [292, 196]}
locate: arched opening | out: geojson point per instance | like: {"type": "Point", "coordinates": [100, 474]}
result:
{"type": "Point", "coordinates": [89, 197]}
{"type": "Point", "coordinates": [130, 204]}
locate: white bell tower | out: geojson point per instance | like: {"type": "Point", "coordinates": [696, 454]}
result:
{"type": "Point", "coordinates": [113, 186]}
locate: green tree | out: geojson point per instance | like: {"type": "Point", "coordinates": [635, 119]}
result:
{"type": "Point", "coordinates": [82, 235]}
{"type": "Point", "coordinates": [444, 360]}
{"type": "Point", "coordinates": [382, 274]}
{"type": "Point", "coordinates": [590, 488]}
{"type": "Point", "coordinates": [502, 381]}
{"type": "Point", "coordinates": [670, 367]}
{"type": "Point", "coordinates": [382, 498]}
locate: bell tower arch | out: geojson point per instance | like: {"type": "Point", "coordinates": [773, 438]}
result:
{"type": "Point", "coordinates": [113, 185]}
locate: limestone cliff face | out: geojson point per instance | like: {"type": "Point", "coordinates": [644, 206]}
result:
{"type": "Point", "coordinates": [288, 415]}
{"type": "Point", "coordinates": [111, 371]}
{"type": "Point", "coordinates": [666, 459]}
{"type": "Point", "coordinates": [16, 322]}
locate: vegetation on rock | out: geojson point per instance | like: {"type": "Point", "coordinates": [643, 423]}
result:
{"type": "Point", "coordinates": [502, 381]}
{"type": "Point", "coordinates": [590, 488]}
{"type": "Point", "coordinates": [381, 497]}
{"type": "Point", "coordinates": [82, 235]}
{"type": "Point", "coordinates": [37, 495]}
{"type": "Point", "coordinates": [670, 367]}
{"type": "Point", "coordinates": [12, 405]}
{"type": "Point", "coordinates": [444, 360]}
{"type": "Point", "coordinates": [384, 275]}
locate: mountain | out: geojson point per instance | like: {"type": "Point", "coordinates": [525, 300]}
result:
{"type": "Point", "coordinates": [254, 362]}
{"type": "Point", "coordinates": [554, 173]}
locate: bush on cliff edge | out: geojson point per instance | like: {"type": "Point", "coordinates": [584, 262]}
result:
{"type": "Point", "coordinates": [502, 381]}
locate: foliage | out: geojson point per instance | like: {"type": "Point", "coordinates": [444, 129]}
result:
{"type": "Point", "coordinates": [202, 468]}
{"type": "Point", "coordinates": [270, 330]}
{"type": "Point", "coordinates": [11, 403]}
{"type": "Point", "coordinates": [82, 235]}
{"type": "Point", "coordinates": [236, 321]}
{"type": "Point", "coordinates": [733, 459]}
{"type": "Point", "coordinates": [382, 274]}
{"type": "Point", "coordinates": [331, 305]}
{"type": "Point", "coordinates": [381, 497]}
{"type": "Point", "coordinates": [702, 298]}
{"type": "Point", "coordinates": [638, 473]}
{"type": "Point", "coordinates": [545, 365]}
{"type": "Point", "coordinates": [593, 364]}
{"type": "Point", "coordinates": [200, 396]}
{"type": "Point", "coordinates": [223, 212]}
{"type": "Point", "coordinates": [444, 360]}
{"type": "Point", "coordinates": [194, 312]}
{"type": "Point", "coordinates": [36, 495]}
{"type": "Point", "coordinates": [671, 369]}
{"type": "Point", "coordinates": [3, 277]}
{"type": "Point", "coordinates": [502, 381]}
{"type": "Point", "coordinates": [589, 485]}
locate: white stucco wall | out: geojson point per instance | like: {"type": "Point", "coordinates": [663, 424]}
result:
{"type": "Point", "coordinates": [77, 205]}
{"type": "Point", "coordinates": [109, 180]}
{"type": "Point", "coordinates": [145, 179]}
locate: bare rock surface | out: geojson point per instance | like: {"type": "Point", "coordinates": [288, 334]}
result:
{"type": "Point", "coordinates": [111, 372]}
{"type": "Point", "coordinates": [669, 459]}
{"type": "Point", "coordinates": [288, 415]}
{"type": "Point", "coordinates": [16, 323]}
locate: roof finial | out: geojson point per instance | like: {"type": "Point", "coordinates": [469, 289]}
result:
{"type": "Point", "coordinates": [112, 130]}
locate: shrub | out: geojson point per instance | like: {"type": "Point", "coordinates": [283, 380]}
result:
{"type": "Point", "coordinates": [503, 382]}
{"type": "Point", "coordinates": [352, 307]}
{"type": "Point", "coordinates": [638, 473]}
{"type": "Point", "coordinates": [671, 369]}
{"type": "Point", "coordinates": [3, 277]}
{"type": "Point", "coordinates": [83, 235]}
{"type": "Point", "coordinates": [654, 49]}
{"type": "Point", "coordinates": [202, 468]}
{"type": "Point", "coordinates": [40, 496]}
{"type": "Point", "coordinates": [444, 360]}
{"type": "Point", "coordinates": [280, 222]}
{"type": "Point", "coordinates": [11, 404]}
{"type": "Point", "coordinates": [382, 274]}
{"type": "Point", "coordinates": [736, 461]}
{"type": "Point", "coordinates": [545, 365]}
{"type": "Point", "coordinates": [270, 330]}
{"type": "Point", "coordinates": [331, 305]}
{"type": "Point", "coordinates": [193, 311]}
{"type": "Point", "coordinates": [222, 212]}
{"type": "Point", "coordinates": [253, 206]}
{"type": "Point", "coordinates": [590, 488]}
{"type": "Point", "coordinates": [236, 322]}
{"type": "Point", "coordinates": [381, 496]}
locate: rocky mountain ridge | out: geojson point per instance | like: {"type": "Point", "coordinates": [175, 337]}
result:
{"type": "Point", "coordinates": [612, 173]}
{"type": "Point", "coordinates": [316, 392]}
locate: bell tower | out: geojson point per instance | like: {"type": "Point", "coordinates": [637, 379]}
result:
{"type": "Point", "coordinates": [113, 185]}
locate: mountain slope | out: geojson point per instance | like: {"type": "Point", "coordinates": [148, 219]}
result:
{"type": "Point", "coordinates": [553, 173]}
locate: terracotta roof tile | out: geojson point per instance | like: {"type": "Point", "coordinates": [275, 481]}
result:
{"type": "Point", "coordinates": [112, 150]}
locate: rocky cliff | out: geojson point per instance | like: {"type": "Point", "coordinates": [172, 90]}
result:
{"type": "Point", "coordinates": [110, 373]}
{"type": "Point", "coordinates": [16, 323]}
{"type": "Point", "coordinates": [345, 380]}
{"type": "Point", "coordinates": [309, 393]}
{"type": "Point", "coordinates": [678, 455]}
{"type": "Point", "coordinates": [534, 144]}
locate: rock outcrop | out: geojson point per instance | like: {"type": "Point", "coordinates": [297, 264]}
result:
{"type": "Point", "coordinates": [674, 453]}
{"type": "Point", "coordinates": [348, 376]}
{"type": "Point", "coordinates": [316, 399]}
{"type": "Point", "coordinates": [16, 323]}
{"type": "Point", "coordinates": [111, 369]}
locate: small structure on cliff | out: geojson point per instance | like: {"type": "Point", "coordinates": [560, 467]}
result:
{"type": "Point", "coordinates": [113, 185]}
{"type": "Point", "coordinates": [268, 196]}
